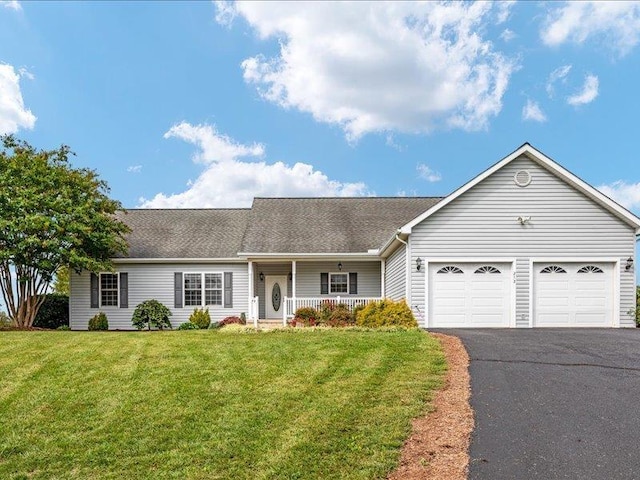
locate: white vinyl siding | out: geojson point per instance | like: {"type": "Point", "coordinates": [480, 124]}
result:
{"type": "Point", "coordinates": [154, 281]}
{"type": "Point", "coordinates": [482, 223]}
{"type": "Point", "coordinates": [369, 277]}
{"type": "Point", "coordinates": [396, 274]}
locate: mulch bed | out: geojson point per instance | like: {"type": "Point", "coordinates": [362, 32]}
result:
{"type": "Point", "coordinates": [439, 443]}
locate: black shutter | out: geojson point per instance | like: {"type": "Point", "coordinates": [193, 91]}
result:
{"type": "Point", "coordinates": [228, 289]}
{"type": "Point", "coordinates": [177, 289]}
{"type": "Point", "coordinates": [124, 290]}
{"type": "Point", "coordinates": [95, 292]}
{"type": "Point", "coordinates": [353, 283]}
{"type": "Point", "coordinates": [324, 283]}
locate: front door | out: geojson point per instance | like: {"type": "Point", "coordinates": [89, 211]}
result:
{"type": "Point", "coordinates": [275, 289]}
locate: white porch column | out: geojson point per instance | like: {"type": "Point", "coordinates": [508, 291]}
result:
{"type": "Point", "coordinates": [383, 271]}
{"type": "Point", "coordinates": [294, 264]}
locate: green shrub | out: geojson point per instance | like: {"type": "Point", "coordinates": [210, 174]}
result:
{"type": "Point", "coordinates": [151, 314]}
{"type": "Point", "coordinates": [243, 318]}
{"type": "Point", "coordinates": [306, 316]}
{"type": "Point", "coordinates": [385, 313]}
{"type": "Point", "coordinates": [5, 321]}
{"type": "Point", "coordinates": [54, 311]}
{"type": "Point", "coordinates": [341, 316]}
{"type": "Point", "coordinates": [325, 310]}
{"type": "Point", "coordinates": [188, 326]}
{"type": "Point", "coordinates": [201, 318]}
{"type": "Point", "coordinates": [64, 327]}
{"type": "Point", "coordinates": [99, 322]}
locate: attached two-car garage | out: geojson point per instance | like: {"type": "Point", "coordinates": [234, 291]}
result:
{"type": "Point", "coordinates": [482, 294]}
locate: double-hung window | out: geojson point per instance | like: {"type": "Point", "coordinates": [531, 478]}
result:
{"type": "Point", "coordinates": [108, 289]}
{"type": "Point", "coordinates": [339, 283]}
{"type": "Point", "coordinates": [201, 289]}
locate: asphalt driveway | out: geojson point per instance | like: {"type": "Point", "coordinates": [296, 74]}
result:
{"type": "Point", "coordinates": [554, 403]}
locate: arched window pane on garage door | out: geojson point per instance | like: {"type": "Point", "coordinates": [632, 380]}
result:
{"type": "Point", "coordinates": [450, 269]}
{"type": "Point", "coordinates": [553, 269]}
{"type": "Point", "coordinates": [590, 269]}
{"type": "Point", "coordinates": [487, 269]}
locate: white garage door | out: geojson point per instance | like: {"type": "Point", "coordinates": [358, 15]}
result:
{"type": "Point", "coordinates": [573, 295]}
{"type": "Point", "coordinates": [469, 294]}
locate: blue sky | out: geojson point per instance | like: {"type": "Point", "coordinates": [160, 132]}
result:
{"type": "Point", "coordinates": [209, 104]}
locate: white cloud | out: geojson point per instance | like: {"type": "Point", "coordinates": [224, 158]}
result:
{"type": "Point", "coordinates": [134, 169]}
{"type": "Point", "coordinates": [225, 12]}
{"type": "Point", "coordinates": [228, 181]}
{"type": "Point", "coordinates": [532, 111]}
{"type": "Point", "coordinates": [507, 35]}
{"type": "Point", "coordinates": [214, 147]}
{"type": "Point", "coordinates": [588, 93]}
{"type": "Point", "coordinates": [13, 114]}
{"type": "Point", "coordinates": [425, 172]}
{"type": "Point", "coordinates": [24, 73]}
{"type": "Point", "coordinates": [626, 194]}
{"type": "Point", "coordinates": [559, 74]}
{"type": "Point", "coordinates": [380, 67]}
{"type": "Point", "coordinates": [390, 141]}
{"type": "Point", "coordinates": [11, 4]}
{"type": "Point", "coordinates": [504, 10]}
{"type": "Point", "coordinates": [612, 23]}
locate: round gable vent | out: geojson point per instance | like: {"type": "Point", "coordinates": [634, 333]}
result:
{"type": "Point", "coordinates": [522, 178]}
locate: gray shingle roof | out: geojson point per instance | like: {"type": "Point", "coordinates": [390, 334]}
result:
{"type": "Point", "coordinates": [185, 233]}
{"type": "Point", "coordinates": [328, 225]}
{"type": "Point", "coordinates": [272, 225]}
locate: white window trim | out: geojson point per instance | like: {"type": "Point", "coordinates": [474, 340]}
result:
{"type": "Point", "coordinates": [202, 289]}
{"type": "Point", "coordinates": [117, 274]}
{"type": "Point", "coordinates": [348, 286]}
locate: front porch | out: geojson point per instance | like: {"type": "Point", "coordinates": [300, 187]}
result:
{"type": "Point", "coordinates": [278, 288]}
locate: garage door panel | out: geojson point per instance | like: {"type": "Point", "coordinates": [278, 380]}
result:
{"type": "Point", "coordinates": [573, 294]}
{"type": "Point", "coordinates": [469, 299]}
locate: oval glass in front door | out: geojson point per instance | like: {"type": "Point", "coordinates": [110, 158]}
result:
{"type": "Point", "coordinates": [276, 296]}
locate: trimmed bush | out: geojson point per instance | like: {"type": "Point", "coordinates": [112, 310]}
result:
{"type": "Point", "coordinates": [201, 318]}
{"type": "Point", "coordinates": [188, 326]}
{"type": "Point", "coordinates": [151, 314]}
{"type": "Point", "coordinates": [341, 316]}
{"type": "Point", "coordinates": [243, 318]}
{"type": "Point", "coordinates": [99, 322]}
{"type": "Point", "coordinates": [66, 328]}
{"type": "Point", "coordinates": [230, 321]}
{"type": "Point", "coordinates": [306, 316]}
{"type": "Point", "coordinates": [386, 313]}
{"type": "Point", "coordinates": [325, 311]}
{"type": "Point", "coordinates": [54, 312]}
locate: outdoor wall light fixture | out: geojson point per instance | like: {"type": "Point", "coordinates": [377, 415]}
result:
{"type": "Point", "coordinates": [261, 277]}
{"type": "Point", "coordinates": [418, 263]}
{"type": "Point", "coordinates": [629, 264]}
{"type": "Point", "coordinates": [523, 220]}
{"type": "Point", "coordinates": [290, 275]}
{"type": "Point", "coordinates": [340, 266]}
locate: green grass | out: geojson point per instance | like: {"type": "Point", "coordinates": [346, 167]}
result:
{"type": "Point", "coordinates": [206, 405]}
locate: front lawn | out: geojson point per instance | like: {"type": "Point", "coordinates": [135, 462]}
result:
{"type": "Point", "coordinates": [206, 404]}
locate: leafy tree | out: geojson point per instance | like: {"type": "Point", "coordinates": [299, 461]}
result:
{"type": "Point", "coordinates": [151, 314]}
{"type": "Point", "coordinates": [62, 282]}
{"type": "Point", "coordinates": [51, 215]}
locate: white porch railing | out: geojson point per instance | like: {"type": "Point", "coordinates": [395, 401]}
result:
{"type": "Point", "coordinates": [290, 305]}
{"type": "Point", "coordinates": [254, 311]}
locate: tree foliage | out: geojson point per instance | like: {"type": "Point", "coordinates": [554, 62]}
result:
{"type": "Point", "coordinates": [62, 281]}
{"type": "Point", "coordinates": [51, 215]}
